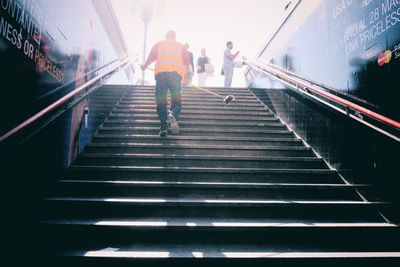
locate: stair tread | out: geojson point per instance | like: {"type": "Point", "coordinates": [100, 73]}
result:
{"type": "Point", "coordinates": [211, 201]}
{"type": "Point", "coordinates": [216, 138]}
{"type": "Point", "coordinates": [212, 184]}
{"type": "Point", "coordinates": [225, 252]}
{"type": "Point", "coordinates": [203, 123]}
{"type": "Point", "coordinates": [196, 129]}
{"type": "Point", "coordinates": [266, 116]}
{"type": "Point", "coordinates": [191, 99]}
{"type": "Point", "coordinates": [224, 111]}
{"type": "Point", "coordinates": [215, 223]}
{"type": "Point", "coordinates": [183, 146]}
{"type": "Point", "coordinates": [204, 169]}
{"type": "Point", "coordinates": [199, 157]}
{"type": "Point", "coordinates": [188, 117]}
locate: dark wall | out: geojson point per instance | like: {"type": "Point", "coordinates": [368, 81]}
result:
{"type": "Point", "coordinates": [47, 49]}
{"type": "Point", "coordinates": [352, 46]}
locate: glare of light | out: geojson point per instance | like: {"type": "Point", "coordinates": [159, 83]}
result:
{"type": "Point", "coordinates": [260, 224]}
{"type": "Point", "coordinates": [311, 255]}
{"type": "Point", "coordinates": [128, 254]}
{"type": "Point", "coordinates": [131, 223]}
{"type": "Point", "coordinates": [273, 254]}
{"type": "Point", "coordinates": [198, 254]}
{"type": "Point", "coordinates": [136, 182]}
{"type": "Point", "coordinates": [113, 182]}
{"type": "Point", "coordinates": [135, 200]}
{"type": "Point", "coordinates": [243, 32]}
{"type": "Point", "coordinates": [242, 201]}
{"type": "Point", "coordinates": [239, 224]}
{"type": "Point", "coordinates": [249, 254]}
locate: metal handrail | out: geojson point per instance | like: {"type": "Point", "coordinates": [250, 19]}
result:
{"type": "Point", "coordinates": [128, 61]}
{"type": "Point", "coordinates": [307, 88]}
{"type": "Point", "coordinates": [77, 78]}
{"type": "Point", "coordinates": [324, 86]}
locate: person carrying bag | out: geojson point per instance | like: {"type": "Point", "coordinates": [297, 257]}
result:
{"type": "Point", "coordinates": [204, 68]}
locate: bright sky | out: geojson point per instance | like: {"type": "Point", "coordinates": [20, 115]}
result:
{"type": "Point", "coordinates": [205, 24]}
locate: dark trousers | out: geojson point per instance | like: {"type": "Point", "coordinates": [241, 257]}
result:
{"type": "Point", "coordinates": [171, 81]}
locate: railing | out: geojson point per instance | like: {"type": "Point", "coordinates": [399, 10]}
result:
{"type": "Point", "coordinates": [76, 79]}
{"type": "Point", "coordinates": [125, 63]}
{"type": "Point", "coordinates": [324, 86]}
{"type": "Point", "coordinates": [344, 106]}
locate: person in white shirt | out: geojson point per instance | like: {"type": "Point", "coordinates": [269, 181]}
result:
{"type": "Point", "coordinates": [229, 65]}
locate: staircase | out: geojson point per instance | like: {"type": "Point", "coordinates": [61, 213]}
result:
{"type": "Point", "coordinates": [235, 186]}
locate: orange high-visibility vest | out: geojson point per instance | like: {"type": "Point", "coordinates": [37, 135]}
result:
{"type": "Point", "coordinates": [169, 57]}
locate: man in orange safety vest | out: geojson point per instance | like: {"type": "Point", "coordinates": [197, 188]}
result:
{"type": "Point", "coordinates": [172, 61]}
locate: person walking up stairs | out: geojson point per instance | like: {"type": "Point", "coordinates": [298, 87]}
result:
{"type": "Point", "coordinates": [172, 59]}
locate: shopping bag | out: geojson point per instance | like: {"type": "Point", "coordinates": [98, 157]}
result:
{"type": "Point", "coordinates": [209, 68]}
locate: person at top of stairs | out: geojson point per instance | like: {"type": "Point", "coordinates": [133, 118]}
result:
{"type": "Point", "coordinates": [172, 60]}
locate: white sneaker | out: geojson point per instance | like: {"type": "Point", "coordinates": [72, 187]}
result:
{"type": "Point", "coordinates": [173, 124]}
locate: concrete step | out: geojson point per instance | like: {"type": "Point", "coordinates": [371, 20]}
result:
{"type": "Point", "coordinates": [104, 233]}
{"type": "Point", "coordinates": [159, 207]}
{"type": "Point", "coordinates": [225, 161]}
{"type": "Point", "coordinates": [217, 255]}
{"type": "Point", "coordinates": [200, 124]}
{"type": "Point", "coordinates": [119, 188]}
{"type": "Point", "coordinates": [186, 140]}
{"type": "Point", "coordinates": [101, 99]}
{"type": "Point", "coordinates": [93, 107]}
{"type": "Point", "coordinates": [190, 93]}
{"type": "Point", "coordinates": [104, 94]}
{"type": "Point", "coordinates": [132, 234]}
{"type": "Point", "coordinates": [190, 114]}
{"type": "Point", "coordinates": [168, 149]}
{"type": "Point", "coordinates": [219, 90]}
{"type": "Point", "coordinates": [196, 117]}
{"type": "Point", "coordinates": [201, 131]}
{"type": "Point", "coordinates": [189, 107]}
{"type": "Point", "coordinates": [194, 98]}
{"type": "Point", "coordinates": [185, 95]}
{"type": "Point", "coordinates": [188, 103]}
{"type": "Point", "coordinates": [198, 111]}
{"type": "Point", "coordinates": [184, 174]}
